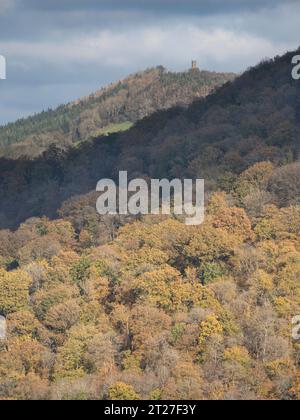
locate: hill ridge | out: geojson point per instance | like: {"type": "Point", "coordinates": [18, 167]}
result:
{"type": "Point", "coordinates": [109, 109]}
{"type": "Point", "coordinates": [251, 120]}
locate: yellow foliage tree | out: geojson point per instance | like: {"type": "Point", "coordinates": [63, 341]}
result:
{"type": "Point", "coordinates": [208, 328]}
{"type": "Point", "coordinates": [14, 291]}
{"type": "Point", "coordinates": [122, 391]}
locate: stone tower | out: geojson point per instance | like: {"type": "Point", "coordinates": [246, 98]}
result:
{"type": "Point", "coordinates": [194, 65]}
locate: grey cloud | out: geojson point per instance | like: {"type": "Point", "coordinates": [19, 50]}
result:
{"type": "Point", "coordinates": [170, 6]}
{"type": "Point", "coordinates": [6, 6]}
{"type": "Point", "coordinates": [59, 50]}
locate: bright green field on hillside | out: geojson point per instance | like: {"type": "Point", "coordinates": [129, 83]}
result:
{"type": "Point", "coordinates": [113, 128]}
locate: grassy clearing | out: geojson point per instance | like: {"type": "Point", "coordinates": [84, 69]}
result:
{"type": "Point", "coordinates": [113, 128]}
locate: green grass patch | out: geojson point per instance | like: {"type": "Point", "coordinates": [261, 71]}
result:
{"type": "Point", "coordinates": [113, 128]}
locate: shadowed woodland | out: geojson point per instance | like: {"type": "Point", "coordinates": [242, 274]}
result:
{"type": "Point", "coordinates": [148, 308]}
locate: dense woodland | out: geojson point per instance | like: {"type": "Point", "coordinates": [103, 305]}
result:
{"type": "Point", "coordinates": [255, 118]}
{"type": "Point", "coordinates": [122, 308]}
{"type": "Point", "coordinates": [111, 109]}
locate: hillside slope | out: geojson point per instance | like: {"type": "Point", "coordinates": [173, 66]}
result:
{"type": "Point", "coordinates": [253, 119]}
{"type": "Point", "coordinates": [111, 109]}
{"type": "Point", "coordinates": [148, 308]}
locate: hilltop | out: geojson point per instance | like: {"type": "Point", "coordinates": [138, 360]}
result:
{"type": "Point", "coordinates": [111, 109]}
{"type": "Point", "coordinates": [255, 118]}
{"type": "Point", "coordinates": [119, 308]}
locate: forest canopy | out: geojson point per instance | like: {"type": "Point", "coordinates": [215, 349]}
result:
{"type": "Point", "coordinates": [145, 307]}
{"type": "Point", "coordinates": [111, 109]}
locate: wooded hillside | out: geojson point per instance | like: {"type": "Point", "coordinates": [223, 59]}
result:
{"type": "Point", "coordinates": [108, 307]}
{"type": "Point", "coordinates": [111, 109]}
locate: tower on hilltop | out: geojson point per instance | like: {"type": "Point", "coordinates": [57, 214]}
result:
{"type": "Point", "coordinates": [194, 65]}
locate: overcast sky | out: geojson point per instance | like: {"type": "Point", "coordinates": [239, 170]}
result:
{"type": "Point", "coordinates": [60, 50]}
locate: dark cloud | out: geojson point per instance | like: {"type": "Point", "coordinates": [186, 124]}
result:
{"type": "Point", "coordinates": [169, 6]}
{"type": "Point", "coordinates": [59, 50]}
